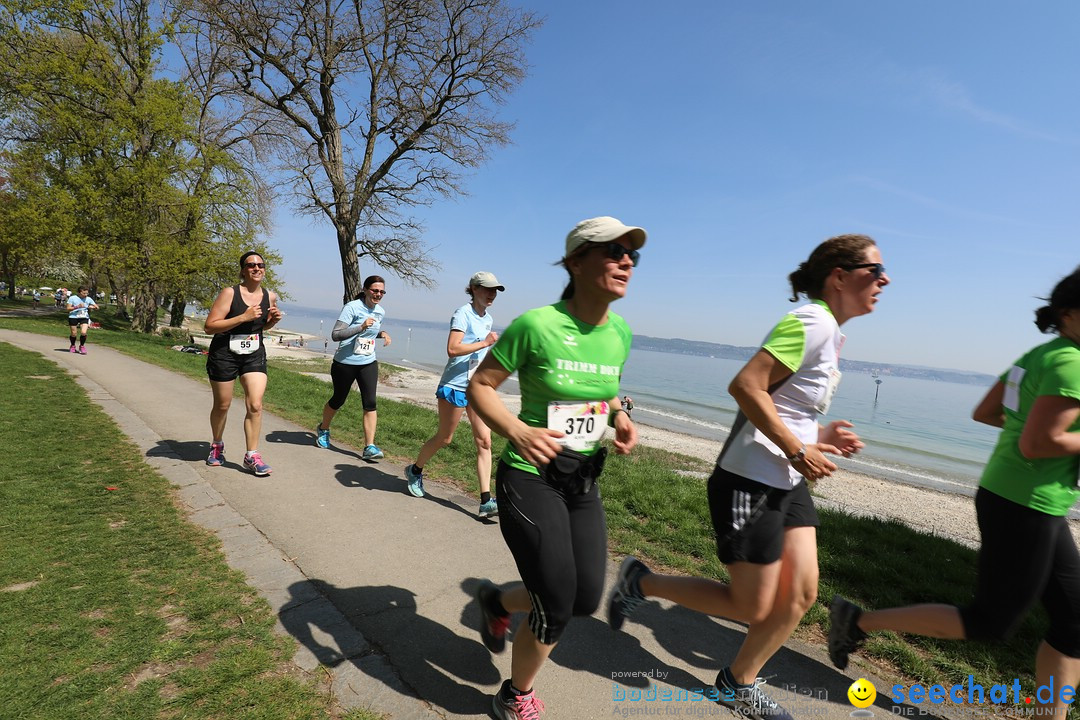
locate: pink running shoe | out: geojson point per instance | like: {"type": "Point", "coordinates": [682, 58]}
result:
{"type": "Point", "coordinates": [217, 455]}
{"type": "Point", "coordinates": [518, 707]}
{"type": "Point", "coordinates": [72, 349]}
{"type": "Point", "coordinates": [82, 350]}
{"type": "Point", "coordinates": [253, 461]}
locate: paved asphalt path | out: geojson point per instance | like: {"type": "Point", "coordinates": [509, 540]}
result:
{"type": "Point", "coordinates": [377, 585]}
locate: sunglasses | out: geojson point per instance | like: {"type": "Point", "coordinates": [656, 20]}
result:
{"type": "Point", "coordinates": [252, 266]}
{"type": "Point", "coordinates": [375, 292]}
{"type": "Point", "coordinates": [876, 269]}
{"type": "Point", "coordinates": [615, 251]}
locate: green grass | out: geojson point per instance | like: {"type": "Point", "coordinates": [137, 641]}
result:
{"type": "Point", "coordinates": [113, 605]}
{"type": "Point", "coordinates": [658, 510]}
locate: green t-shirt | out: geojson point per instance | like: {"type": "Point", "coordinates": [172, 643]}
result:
{"type": "Point", "coordinates": [558, 357]}
{"type": "Point", "coordinates": [1048, 485]}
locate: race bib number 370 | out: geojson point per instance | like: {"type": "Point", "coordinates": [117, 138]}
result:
{"type": "Point", "coordinates": [583, 423]}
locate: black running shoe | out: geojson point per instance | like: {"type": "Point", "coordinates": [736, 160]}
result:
{"type": "Point", "coordinates": [845, 635]}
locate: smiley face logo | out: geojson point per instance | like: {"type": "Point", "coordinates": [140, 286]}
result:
{"type": "Point", "coordinates": [862, 693]}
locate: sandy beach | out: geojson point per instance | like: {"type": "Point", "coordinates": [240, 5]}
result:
{"type": "Point", "coordinates": [931, 511]}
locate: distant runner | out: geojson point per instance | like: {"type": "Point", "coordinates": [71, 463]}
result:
{"type": "Point", "coordinates": [357, 328]}
{"type": "Point", "coordinates": [237, 319]}
{"type": "Point", "coordinates": [470, 337]}
{"type": "Point", "coordinates": [79, 307]}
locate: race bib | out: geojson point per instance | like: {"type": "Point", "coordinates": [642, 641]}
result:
{"type": "Point", "coordinates": [583, 422]}
{"type": "Point", "coordinates": [364, 346]}
{"type": "Point", "coordinates": [826, 400]}
{"type": "Point", "coordinates": [1011, 398]}
{"type": "Point", "coordinates": [244, 344]}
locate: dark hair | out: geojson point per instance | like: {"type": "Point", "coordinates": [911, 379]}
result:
{"type": "Point", "coordinates": [81, 288]}
{"type": "Point", "coordinates": [371, 280]}
{"type": "Point", "coordinates": [835, 252]}
{"type": "Point", "coordinates": [1065, 296]}
{"type": "Point", "coordinates": [245, 256]}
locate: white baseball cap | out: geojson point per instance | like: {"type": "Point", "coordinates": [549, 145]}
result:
{"type": "Point", "coordinates": [486, 279]}
{"type": "Point", "coordinates": [603, 229]}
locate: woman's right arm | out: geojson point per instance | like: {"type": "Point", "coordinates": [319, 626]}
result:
{"type": "Point", "coordinates": [989, 410]}
{"type": "Point", "coordinates": [216, 322]}
{"type": "Point", "coordinates": [456, 348]}
{"type": "Point", "coordinates": [750, 389]}
{"type": "Point", "coordinates": [535, 444]}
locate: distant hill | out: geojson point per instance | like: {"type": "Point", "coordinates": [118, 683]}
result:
{"type": "Point", "coordinates": [737, 352]}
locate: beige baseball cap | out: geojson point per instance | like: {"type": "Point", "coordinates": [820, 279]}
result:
{"type": "Point", "coordinates": [486, 279]}
{"type": "Point", "coordinates": [603, 229]}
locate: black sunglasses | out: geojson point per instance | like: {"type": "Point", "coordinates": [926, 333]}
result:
{"type": "Point", "coordinates": [253, 265]}
{"type": "Point", "coordinates": [374, 291]}
{"type": "Point", "coordinates": [876, 269]}
{"type": "Point", "coordinates": [615, 251]}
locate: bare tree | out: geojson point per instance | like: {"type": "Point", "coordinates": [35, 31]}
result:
{"type": "Point", "coordinates": [381, 106]}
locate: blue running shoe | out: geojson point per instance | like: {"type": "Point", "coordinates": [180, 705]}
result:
{"type": "Point", "coordinates": [489, 509]}
{"type": "Point", "coordinates": [372, 452]}
{"type": "Point", "coordinates": [217, 451]}
{"type": "Point", "coordinates": [322, 437]}
{"type": "Point", "coordinates": [416, 481]}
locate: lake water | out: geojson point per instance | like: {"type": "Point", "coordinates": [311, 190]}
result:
{"type": "Point", "coordinates": [918, 432]}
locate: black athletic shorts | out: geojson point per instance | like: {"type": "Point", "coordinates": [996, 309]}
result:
{"type": "Point", "coordinates": [74, 322]}
{"type": "Point", "coordinates": [750, 518]}
{"type": "Point", "coordinates": [223, 365]}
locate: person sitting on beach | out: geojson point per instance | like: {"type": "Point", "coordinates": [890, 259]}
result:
{"type": "Point", "coordinates": [1027, 488]}
{"type": "Point", "coordinates": [759, 499]}
{"type": "Point", "coordinates": [357, 328]}
{"type": "Point", "coordinates": [470, 337]}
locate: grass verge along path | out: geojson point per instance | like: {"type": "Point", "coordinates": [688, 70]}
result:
{"type": "Point", "coordinates": [113, 605]}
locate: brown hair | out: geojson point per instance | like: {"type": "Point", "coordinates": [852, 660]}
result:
{"type": "Point", "coordinates": [1065, 296]}
{"type": "Point", "coordinates": [836, 252]}
{"type": "Point", "coordinates": [371, 280]}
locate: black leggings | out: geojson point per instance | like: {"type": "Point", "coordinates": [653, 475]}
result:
{"type": "Point", "coordinates": [559, 542]}
{"type": "Point", "coordinates": [366, 378]}
{"type": "Point", "coordinates": [1026, 556]}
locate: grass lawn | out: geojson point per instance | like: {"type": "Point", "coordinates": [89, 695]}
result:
{"type": "Point", "coordinates": [659, 511]}
{"type": "Point", "coordinates": [113, 605]}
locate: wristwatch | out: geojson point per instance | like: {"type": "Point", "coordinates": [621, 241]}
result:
{"type": "Point", "coordinates": [800, 455]}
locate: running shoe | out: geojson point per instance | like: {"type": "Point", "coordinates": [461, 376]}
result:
{"type": "Point", "coordinates": [253, 461]}
{"type": "Point", "coordinates": [372, 452]}
{"type": "Point", "coordinates": [750, 700]}
{"type": "Point", "coordinates": [845, 635]}
{"type": "Point", "coordinates": [626, 595]}
{"type": "Point", "coordinates": [416, 481]}
{"type": "Point", "coordinates": [82, 350]}
{"type": "Point", "coordinates": [508, 706]}
{"type": "Point", "coordinates": [72, 350]}
{"type": "Point", "coordinates": [217, 455]}
{"type": "Point", "coordinates": [489, 509]}
{"type": "Point", "coordinates": [322, 437]}
{"type": "Point", "coordinates": [492, 627]}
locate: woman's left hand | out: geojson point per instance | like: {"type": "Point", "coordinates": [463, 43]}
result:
{"type": "Point", "coordinates": [837, 434]}
{"type": "Point", "coordinates": [625, 433]}
{"type": "Point", "coordinates": [386, 339]}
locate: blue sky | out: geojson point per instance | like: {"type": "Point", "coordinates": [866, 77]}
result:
{"type": "Point", "coordinates": [741, 134]}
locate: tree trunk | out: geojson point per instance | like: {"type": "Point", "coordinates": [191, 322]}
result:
{"type": "Point", "coordinates": [144, 310]}
{"type": "Point", "coordinates": [350, 263]}
{"type": "Point", "coordinates": [176, 312]}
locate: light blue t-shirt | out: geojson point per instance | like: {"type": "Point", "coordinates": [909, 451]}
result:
{"type": "Point", "coordinates": [476, 328]}
{"type": "Point", "coordinates": [359, 349]}
{"type": "Point", "coordinates": [79, 308]}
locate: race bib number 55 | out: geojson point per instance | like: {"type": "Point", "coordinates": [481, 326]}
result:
{"type": "Point", "coordinates": [244, 344]}
{"type": "Point", "coordinates": [583, 423]}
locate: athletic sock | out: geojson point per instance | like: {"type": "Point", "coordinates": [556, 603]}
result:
{"type": "Point", "coordinates": [417, 469]}
{"type": "Point", "coordinates": [730, 679]}
{"type": "Point", "coordinates": [72, 341]}
{"type": "Point", "coordinates": [82, 341]}
{"type": "Point", "coordinates": [508, 687]}
{"type": "Point", "coordinates": [484, 497]}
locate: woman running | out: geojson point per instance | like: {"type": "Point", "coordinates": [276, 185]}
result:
{"type": "Point", "coordinates": [1027, 488]}
{"type": "Point", "coordinates": [237, 319]}
{"type": "Point", "coordinates": [357, 328]}
{"type": "Point", "coordinates": [470, 337]}
{"type": "Point", "coordinates": [765, 521]}
{"type": "Point", "coordinates": [79, 307]}
{"type": "Point", "coordinates": [569, 357]}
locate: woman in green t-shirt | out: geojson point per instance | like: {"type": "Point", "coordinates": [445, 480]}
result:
{"type": "Point", "coordinates": [1026, 490]}
{"type": "Point", "coordinates": [569, 357]}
